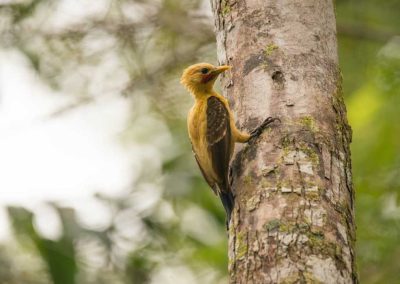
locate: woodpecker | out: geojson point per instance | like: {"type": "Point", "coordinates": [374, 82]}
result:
{"type": "Point", "coordinates": [212, 130]}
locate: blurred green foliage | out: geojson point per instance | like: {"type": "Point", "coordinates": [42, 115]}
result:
{"type": "Point", "coordinates": [180, 231]}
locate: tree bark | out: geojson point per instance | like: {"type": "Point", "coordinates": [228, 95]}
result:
{"type": "Point", "coordinates": [293, 220]}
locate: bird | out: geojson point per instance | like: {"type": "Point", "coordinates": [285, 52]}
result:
{"type": "Point", "coordinates": [212, 130]}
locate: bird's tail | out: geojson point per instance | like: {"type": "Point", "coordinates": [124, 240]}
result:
{"type": "Point", "coordinates": [228, 201]}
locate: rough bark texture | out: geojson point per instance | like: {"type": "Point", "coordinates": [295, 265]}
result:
{"type": "Point", "coordinates": [293, 220]}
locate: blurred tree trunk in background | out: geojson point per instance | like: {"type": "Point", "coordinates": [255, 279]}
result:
{"type": "Point", "coordinates": [293, 220]}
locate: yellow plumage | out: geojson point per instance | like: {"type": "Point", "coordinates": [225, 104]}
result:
{"type": "Point", "coordinates": [212, 129]}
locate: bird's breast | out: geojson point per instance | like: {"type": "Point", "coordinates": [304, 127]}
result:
{"type": "Point", "coordinates": [197, 124]}
{"type": "Point", "coordinates": [197, 128]}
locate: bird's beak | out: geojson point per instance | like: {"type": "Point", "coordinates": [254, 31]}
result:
{"type": "Point", "coordinates": [221, 69]}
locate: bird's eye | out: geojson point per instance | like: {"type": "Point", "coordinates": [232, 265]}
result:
{"type": "Point", "coordinates": [204, 70]}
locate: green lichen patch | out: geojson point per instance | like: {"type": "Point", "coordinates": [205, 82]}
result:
{"type": "Point", "coordinates": [265, 183]}
{"type": "Point", "coordinates": [312, 192]}
{"type": "Point", "coordinates": [247, 180]}
{"type": "Point", "coordinates": [226, 8]}
{"type": "Point", "coordinates": [310, 153]}
{"type": "Point", "coordinates": [269, 49]}
{"type": "Point", "coordinates": [287, 227]}
{"type": "Point", "coordinates": [313, 196]}
{"type": "Point", "coordinates": [316, 238]}
{"type": "Point", "coordinates": [320, 246]}
{"type": "Point", "coordinates": [292, 198]}
{"type": "Point", "coordinates": [291, 279]}
{"type": "Point", "coordinates": [286, 142]}
{"type": "Point", "coordinates": [293, 227]}
{"type": "Point", "coordinates": [341, 208]}
{"type": "Point", "coordinates": [241, 245]}
{"type": "Point", "coordinates": [303, 227]}
{"type": "Point", "coordinates": [264, 65]}
{"type": "Point", "coordinates": [308, 122]}
{"type": "Point", "coordinates": [331, 250]}
{"type": "Point", "coordinates": [309, 278]}
{"type": "Point", "coordinates": [272, 225]}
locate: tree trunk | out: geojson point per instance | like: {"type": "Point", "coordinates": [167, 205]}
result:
{"type": "Point", "coordinates": [293, 220]}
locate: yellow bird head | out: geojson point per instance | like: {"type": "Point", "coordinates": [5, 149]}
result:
{"type": "Point", "coordinates": [200, 77]}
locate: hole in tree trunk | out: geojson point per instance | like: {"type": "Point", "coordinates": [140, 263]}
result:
{"type": "Point", "coordinates": [278, 77]}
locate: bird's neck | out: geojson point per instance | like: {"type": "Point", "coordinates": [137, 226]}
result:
{"type": "Point", "coordinates": [203, 94]}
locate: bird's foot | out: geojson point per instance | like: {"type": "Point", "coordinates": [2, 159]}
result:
{"type": "Point", "coordinates": [257, 132]}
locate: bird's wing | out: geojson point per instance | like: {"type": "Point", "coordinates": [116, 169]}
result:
{"type": "Point", "coordinates": [211, 184]}
{"type": "Point", "coordinates": [219, 139]}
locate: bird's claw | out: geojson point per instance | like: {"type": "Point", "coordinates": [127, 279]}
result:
{"type": "Point", "coordinates": [257, 132]}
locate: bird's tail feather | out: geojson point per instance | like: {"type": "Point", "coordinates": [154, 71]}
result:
{"type": "Point", "coordinates": [228, 203]}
